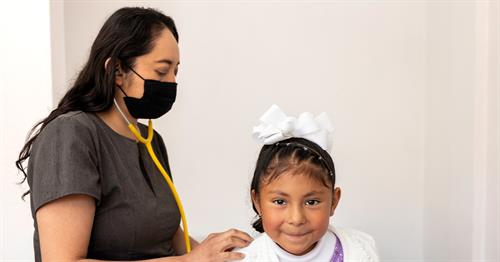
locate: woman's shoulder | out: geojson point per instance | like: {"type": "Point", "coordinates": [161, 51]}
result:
{"type": "Point", "coordinates": [69, 126]}
{"type": "Point", "coordinates": [75, 119]}
{"type": "Point", "coordinates": [80, 118]}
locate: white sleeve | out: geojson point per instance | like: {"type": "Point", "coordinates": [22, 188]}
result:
{"type": "Point", "coordinates": [259, 250]}
{"type": "Point", "coordinates": [358, 246]}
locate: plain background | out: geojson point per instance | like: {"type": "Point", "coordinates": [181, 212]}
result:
{"type": "Point", "coordinates": [412, 88]}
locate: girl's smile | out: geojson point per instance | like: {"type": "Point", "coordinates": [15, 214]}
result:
{"type": "Point", "coordinates": [295, 210]}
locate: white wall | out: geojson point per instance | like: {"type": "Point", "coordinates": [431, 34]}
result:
{"type": "Point", "coordinates": [462, 186]}
{"type": "Point", "coordinates": [411, 86]}
{"type": "Point", "coordinates": [25, 98]}
{"type": "Point", "coordinates": [364, 64]}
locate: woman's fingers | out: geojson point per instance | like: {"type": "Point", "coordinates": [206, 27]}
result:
{"type": "Point", "coordinates": [211, 235]}
{"type": "Point", "coordinates": [232, 239]}
{"type": "Point", "coordinates": [231, 256]}
{"type": "Point", "coordinates": [232, 242]}
{"type": "Point", "coordinates": [218, 246]}
{"type": "Point", "coordinates": [239, 234]}
{"type": "Point", "coordinates": [244, 236]}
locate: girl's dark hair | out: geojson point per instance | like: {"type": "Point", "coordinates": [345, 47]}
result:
{"type": "Point", "coordinates": [294, 154]}
{"type": "Point", "coordinates": [128, 33]}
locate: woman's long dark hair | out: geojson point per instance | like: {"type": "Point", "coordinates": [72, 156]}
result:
{"type": "Point", "coordinates": [289, 154]}
{"type": "Point", "coordinates": [128, 33]}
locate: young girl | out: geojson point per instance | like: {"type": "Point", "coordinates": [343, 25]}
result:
{"type": "Point", "coordinates": [294, 195]}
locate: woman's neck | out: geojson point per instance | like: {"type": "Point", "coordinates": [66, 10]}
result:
{"type": "Point", "coordinates": [115, 121]}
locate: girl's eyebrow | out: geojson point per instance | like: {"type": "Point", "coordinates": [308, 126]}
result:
{"type": "Point", "coordinates": [314, 192]}
{"type": "Point", "coordinates": [278, 192]}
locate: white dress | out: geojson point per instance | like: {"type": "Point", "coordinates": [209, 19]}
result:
{"type": "Point", "coordinates": [357, 247]}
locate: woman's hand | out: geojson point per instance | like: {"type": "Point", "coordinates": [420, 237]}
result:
{"type": "Point", "coordinates": [217, 247]}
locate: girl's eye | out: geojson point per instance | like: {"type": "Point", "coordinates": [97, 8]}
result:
{"type": "Point", "coordinates": [312, 202]}
{"type": "Point", "coordinates": [279, 202]}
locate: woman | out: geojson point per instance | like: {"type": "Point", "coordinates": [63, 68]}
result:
{"type": "Point", "coordinates": [95, 192]}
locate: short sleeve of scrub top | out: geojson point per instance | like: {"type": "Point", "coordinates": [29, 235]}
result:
{"type": "Point", "coordinates": [136, 215]}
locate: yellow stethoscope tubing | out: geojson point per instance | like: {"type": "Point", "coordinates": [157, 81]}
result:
{"type": "Point", "coordinates": [149, 147]}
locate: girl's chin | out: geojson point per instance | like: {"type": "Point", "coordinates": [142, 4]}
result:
{"type": "Point", "coordinates": [295, 249]}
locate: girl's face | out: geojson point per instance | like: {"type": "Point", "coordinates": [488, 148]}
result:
{"type": "Point", "coordinates": [295, 210]}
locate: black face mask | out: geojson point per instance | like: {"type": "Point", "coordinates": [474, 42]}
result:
{"type": "Point", "coordinates": [157, 100]}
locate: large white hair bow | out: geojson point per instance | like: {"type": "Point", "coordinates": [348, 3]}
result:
{"type": "Point", "coordinates": [277, 126]}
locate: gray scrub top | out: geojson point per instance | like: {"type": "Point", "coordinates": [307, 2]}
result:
{"type": "Point", "coordinates": [136, 215]}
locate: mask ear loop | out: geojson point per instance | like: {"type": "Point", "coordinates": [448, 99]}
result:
{"type": "Point", "coordinates": [149, 147]}
{"type": "Point", "coordinates": [129, 67]}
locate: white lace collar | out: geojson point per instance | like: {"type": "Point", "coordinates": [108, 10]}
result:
{"type": "Point", "coordinates": [323, 250]}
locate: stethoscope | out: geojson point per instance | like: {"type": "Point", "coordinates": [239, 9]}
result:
{"type": "Point", "coordinates": [149, 147]}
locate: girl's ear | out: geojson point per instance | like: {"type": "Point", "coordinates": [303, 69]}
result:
{"type": "Point", "coordinates": [255, 201]}
{"type": "Point", "coordinates": [335, 200]}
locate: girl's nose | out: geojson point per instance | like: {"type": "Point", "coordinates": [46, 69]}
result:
{"type": "Point", "coordinates": [296, 216]}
